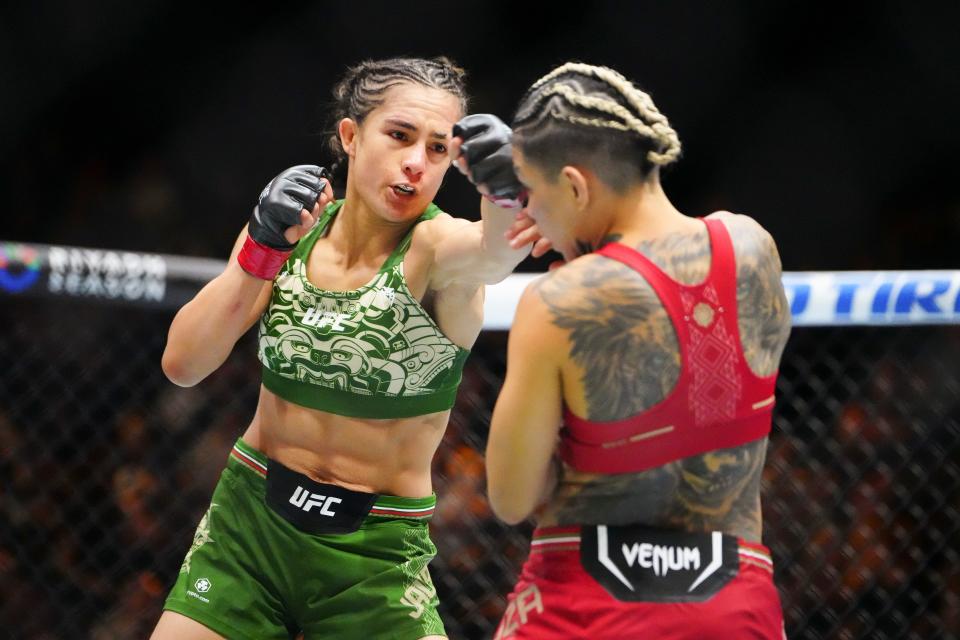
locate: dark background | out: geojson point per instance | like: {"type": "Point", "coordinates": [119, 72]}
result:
{"type": "Point", "coordinates": [153, 126]}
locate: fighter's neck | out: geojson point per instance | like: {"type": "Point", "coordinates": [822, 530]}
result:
{"type": "Point", "coordinates": [640, 214]}
{"type": "Point", "coordinates": [360, 235]}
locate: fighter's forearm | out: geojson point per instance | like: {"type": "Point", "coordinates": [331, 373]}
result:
{"type": "Point", "coordinates": [495, 246]}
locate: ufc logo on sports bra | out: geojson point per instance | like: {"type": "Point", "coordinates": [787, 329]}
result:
{"type": "Point", "coordinates": [305, 500]}
{"type": "Point", "coordinates": [319, 318]}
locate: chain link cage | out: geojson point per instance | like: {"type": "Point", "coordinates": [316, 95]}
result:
{"type": "Point", "coordinates": [106, 468]}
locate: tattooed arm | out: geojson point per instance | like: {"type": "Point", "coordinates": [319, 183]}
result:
{"type": "Point", "coordinates": [526, 419]}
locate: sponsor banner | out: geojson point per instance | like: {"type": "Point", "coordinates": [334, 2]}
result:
{"type": "Point", "coordinates": [140, 279]}
{"type": "Point", "coordinates": [831, 298]}
{"type": "Point", "coordinates": [816, 298]}
{"type": "Point", "coordinates": [114, 275]}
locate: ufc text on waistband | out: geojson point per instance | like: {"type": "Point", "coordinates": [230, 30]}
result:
{"type": "Point", "coordinates": [314, 507]}
{"type": "Point", "coordinates": [643, 564]}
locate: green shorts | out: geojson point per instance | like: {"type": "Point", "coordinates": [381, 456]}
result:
{"type": "Point", "coordinates": [251, 575]}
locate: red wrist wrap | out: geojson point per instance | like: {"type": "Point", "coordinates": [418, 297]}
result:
{"type": "Point", "coordinates": [509, 203]}
{"type": "Point", "coordinates": [261, 261]}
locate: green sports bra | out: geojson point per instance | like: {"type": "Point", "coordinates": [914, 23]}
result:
{"type": "Point", "coordinates": [370, 353]}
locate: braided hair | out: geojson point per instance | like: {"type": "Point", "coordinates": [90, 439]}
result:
{"type": "Point", "coordinates": [583, 113]}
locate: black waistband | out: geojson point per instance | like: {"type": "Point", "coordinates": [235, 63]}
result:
{"type": "Point", "coordinates": [315, 507]}
{"type": "Point", "coordinates": [643, 564]}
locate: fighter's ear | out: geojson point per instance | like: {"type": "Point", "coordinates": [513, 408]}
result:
{"type": "Point", "coordinates": [576, 181]}
{"type": "Point", "coordinates": [347, 130]}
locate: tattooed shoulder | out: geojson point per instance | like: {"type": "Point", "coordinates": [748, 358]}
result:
{"type": "Point", "coordinates": [617, 328]}
{"type": "Point", "coordinates": [763, 315]}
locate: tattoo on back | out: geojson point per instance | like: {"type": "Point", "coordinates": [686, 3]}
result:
{"type": "Point", "coordinates": [625, 347]}
{"type": "Point", "coordinates": [616, 332]}
{"type": "Point", "coordinates": [584, 247]}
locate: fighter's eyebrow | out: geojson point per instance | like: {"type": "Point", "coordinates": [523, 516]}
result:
{"type": "Point", "coordinates": [403, 124]}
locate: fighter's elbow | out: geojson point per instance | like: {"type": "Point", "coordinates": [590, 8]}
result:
{"type": "Point", "coordinates": [508, 508]}
{"type": "Point", "coordinates": [176, 369]}
{"type": "Point", "coordinates": [511, 518]}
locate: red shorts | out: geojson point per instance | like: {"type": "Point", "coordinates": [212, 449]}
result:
{"type": "Point", "coordinates": [557, 598]}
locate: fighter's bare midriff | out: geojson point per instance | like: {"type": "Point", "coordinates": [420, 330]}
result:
{"type": "Point", "coordinates": [390, 456]}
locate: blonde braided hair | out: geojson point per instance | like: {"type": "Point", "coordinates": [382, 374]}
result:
{"type": "Point", "coordinates": [628, 110]}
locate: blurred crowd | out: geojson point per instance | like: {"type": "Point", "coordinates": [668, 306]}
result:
{"type": "Point", "coordinates": [862, 484]}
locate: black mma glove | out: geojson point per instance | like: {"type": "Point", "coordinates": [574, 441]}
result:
{"type": "Point", "coordinates": [487, 151]}
{"type": "Point", "coordinates": [266, 249]}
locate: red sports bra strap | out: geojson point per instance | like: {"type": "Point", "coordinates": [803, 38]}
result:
{"type": "Point", "coordinates": [723, 266]}
{"type": "Point", "coordinates": [661, 284]}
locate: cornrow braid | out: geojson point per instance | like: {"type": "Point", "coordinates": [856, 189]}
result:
{"type": "Point", "coordinates": [364, 85]}
{"type": "Point", "coordinates": [561, 108]}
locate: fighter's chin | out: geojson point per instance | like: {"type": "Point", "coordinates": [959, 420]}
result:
{"type": "Point", "coordinates": [402, 207]}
